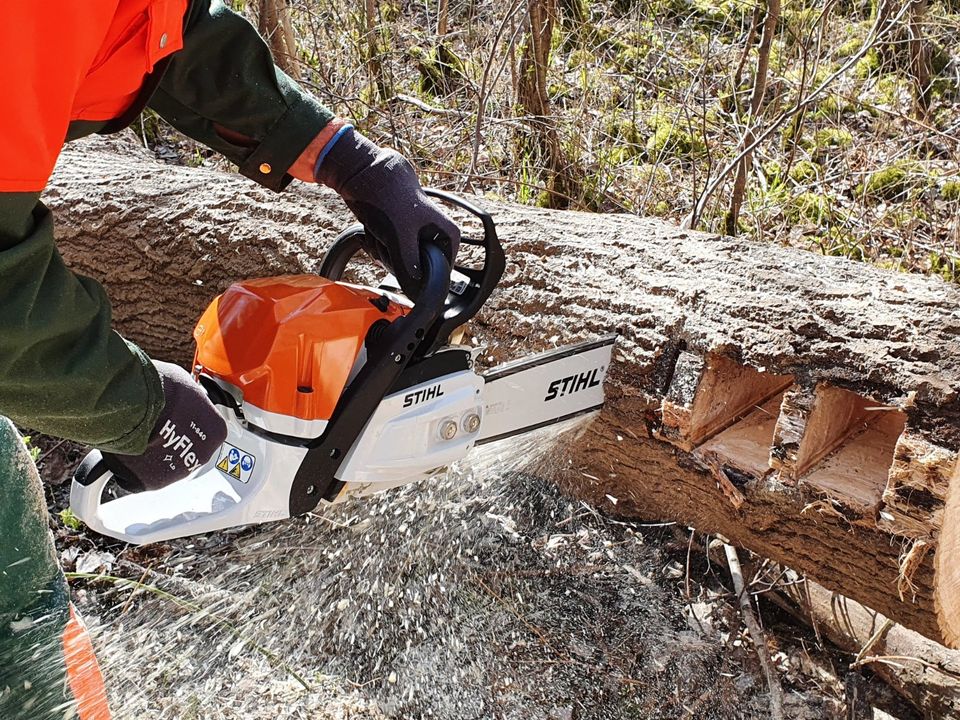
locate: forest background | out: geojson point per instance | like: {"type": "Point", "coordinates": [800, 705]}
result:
{"type": "Point", "coordinates": [829, 125]}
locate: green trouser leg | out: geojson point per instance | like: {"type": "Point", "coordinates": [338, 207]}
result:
{"type": "Point", "coordinates": [34, 602]}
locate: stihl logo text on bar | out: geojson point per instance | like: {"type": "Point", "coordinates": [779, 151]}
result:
{"type": "Point", "coordinates": [573, 383]}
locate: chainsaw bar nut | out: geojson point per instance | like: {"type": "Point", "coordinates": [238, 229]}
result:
{"type": "Point", "coordinates": [471, 422]}
{"type": "Point", "coordinates": [448, 430]}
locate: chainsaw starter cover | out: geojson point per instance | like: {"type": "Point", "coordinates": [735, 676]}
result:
{"type": "Point", "coordinates": [289, 343]}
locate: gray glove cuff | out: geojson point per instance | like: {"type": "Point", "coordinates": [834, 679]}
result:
{"type": "Point", "coordinates": [352, 153]}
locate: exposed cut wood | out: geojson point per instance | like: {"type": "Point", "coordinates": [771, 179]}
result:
{"type": "Point", "coordinates": [741, 454]}
{"type": "Point", "coordinates": [713, 331]}
{"type": "Point", "coordinates": [856, 472]}
{"type": "Point", "coordinates": [947, 590]}
{"type": "Point", "coordinates": [705, 398]}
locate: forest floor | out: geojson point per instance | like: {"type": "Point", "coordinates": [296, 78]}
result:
{"type": "Point", "coordinates": [483, 594]}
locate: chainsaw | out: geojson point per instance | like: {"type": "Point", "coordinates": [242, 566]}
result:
{"type": "Point", "coordinates": [332, 390]}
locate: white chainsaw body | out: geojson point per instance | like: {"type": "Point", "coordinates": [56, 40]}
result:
{"type": "Point", "coordinates": [248, 481]}
{"type": "Point", "coordinates": [331, 391]}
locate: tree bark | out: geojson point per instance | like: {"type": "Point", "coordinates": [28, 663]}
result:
{"type": "Point", "coordinates": [543, 143]}
{"type": "Point", "coordinates": [804, 407]}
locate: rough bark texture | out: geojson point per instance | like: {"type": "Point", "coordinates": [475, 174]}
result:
{"type": "Point", "coordinates": [727, 350]}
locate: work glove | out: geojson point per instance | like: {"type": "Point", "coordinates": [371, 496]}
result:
{"type": "Point", "coordinates": [381, 188]}
{"type": "Point", "coordinates": [186, 435]}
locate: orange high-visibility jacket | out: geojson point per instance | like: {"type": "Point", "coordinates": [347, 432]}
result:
{"type": "Point", "coordinates": [66, 61]}
{"type": "Point", "coordinates": [74, 67]}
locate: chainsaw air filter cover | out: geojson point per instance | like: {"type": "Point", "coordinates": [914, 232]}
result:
{"type": "Point", "coordinates": [289, 345]}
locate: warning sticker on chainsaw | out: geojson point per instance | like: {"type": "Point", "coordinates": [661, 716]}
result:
{"type": "Point", "coordinates": [235, 463]}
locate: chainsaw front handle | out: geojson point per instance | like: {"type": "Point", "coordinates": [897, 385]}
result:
{"type": "Point", "coordinates": [460, 304]}
{"type": "Point", "coordinates": [400, 341]}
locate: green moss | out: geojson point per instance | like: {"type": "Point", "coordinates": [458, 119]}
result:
{"type": "Point", "coordinates": [946, 266]}
{"type": "Point", "coordinates": [670, 139]}
{"type": "Point", "coordinates": [849, 48]}
{"type": "Point", "coordinates": [580, 58]}
{"type": "Point", "coordinates": [389, 12]}
{"type": "Point", "coordinates": [950, 190]}
{"type": "Point", "coordinates": [869, 65]}
{"type": "Point", "coordinates": [809, 207]}
{"type": "Point", "coordinates": [661, 209]}
{"type": "Point", "coordinates": [648, 174]}
{"type": "Point", "coordinates": [889, 90]}
{"type": "Point", "coordinates": [624, 128]}
{"type": "Point", "coordinates": [834, 106]}
{"type": "Point", "coordinates": [833, 138]}
{"type": "Point", "coordinates": [893, 182]}
{"type": "Point", "coordinates": [441, 69]}
{"type": "Point", "coordinates": [629, 57]}
{"type": "Point", "coordinates": [805, 171]}
{"type": "Point", "coordinates": [773, 172]}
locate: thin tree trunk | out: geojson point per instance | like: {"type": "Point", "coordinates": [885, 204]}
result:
{"type": "Point", "coordinates": [442, 17]}
{"type": "Point", "coordinates": [378, 80]}
{"type": "Point", "coordinates": [756, 104]}
{"type": "Point", "coordinates": [920, 61]}
{"type": "Point", "coordinates": [276, 28]}
{"type": "Point", "coordinates": [545, 144]}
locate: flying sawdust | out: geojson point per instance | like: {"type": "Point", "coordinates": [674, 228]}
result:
{"type": "Point", "coordinates": [480, 594]}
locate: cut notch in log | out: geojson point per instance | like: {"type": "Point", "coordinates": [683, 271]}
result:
{"type": "Point", "coordinates": [838, 443]}
{"type": "Point", "coordinates": [740, 454]}
{"type": "Point", "coordinates": [707, 396]}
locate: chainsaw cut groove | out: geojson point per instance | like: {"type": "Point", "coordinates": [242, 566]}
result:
{"type": "Point", "coordinates": [743, 449]}
{"type": "Point", "coordinates": [839, 443]}
{"type": "Point", "coordinates": [707, 396]}
{"type": "Point", "coordinates": [855, 474]}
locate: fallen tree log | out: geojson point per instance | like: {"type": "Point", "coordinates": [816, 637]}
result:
{"type": "Point", "coordinates": [804, 407]}
{"type": "Point", "coordinates": [922, 671]}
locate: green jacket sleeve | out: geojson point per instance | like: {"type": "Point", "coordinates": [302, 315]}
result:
{"type": "Point", "coordinates": [225, 78]}
{"type": "Point", "coordinates": [63, 371]}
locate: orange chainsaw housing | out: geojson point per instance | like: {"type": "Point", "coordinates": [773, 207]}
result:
{"type": "Point", "coordinates": [289, 343]}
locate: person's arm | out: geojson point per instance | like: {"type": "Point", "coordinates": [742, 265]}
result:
{"type": "Point", "coordinates": [63, 370]}
{"type": "Point", "coordinates": [224, 90]}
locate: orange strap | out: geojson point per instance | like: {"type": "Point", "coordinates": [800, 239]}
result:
{"type": "Point", "coordinates": [83, 671]}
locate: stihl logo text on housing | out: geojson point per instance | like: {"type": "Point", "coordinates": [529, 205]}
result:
{"type": "Point", "coordinates": [573, 383]}
{"type": "Point", "coordinates": [422, 395]}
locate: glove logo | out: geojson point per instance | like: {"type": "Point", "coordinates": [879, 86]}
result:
{"type": "Point", "coordinates": [235, 463]}
{"type": "Point", "coordinates": [179, 444]}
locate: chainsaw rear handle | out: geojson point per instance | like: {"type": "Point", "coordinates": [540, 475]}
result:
{"type": "Point", "coordinates": [86, 491]}
{"type": "Point", "coordinates": [458, 306]}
